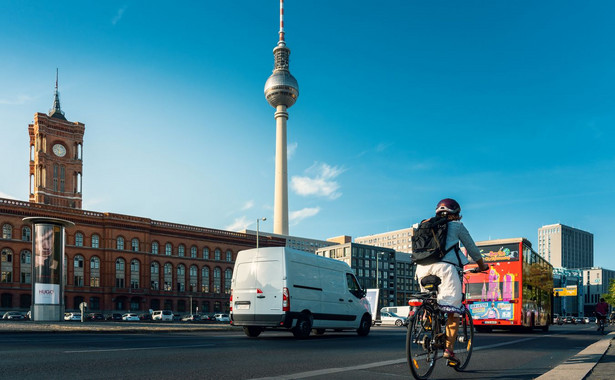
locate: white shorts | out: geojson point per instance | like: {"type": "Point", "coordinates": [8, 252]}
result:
{"type": "Point", "coordinates": [449, 291]}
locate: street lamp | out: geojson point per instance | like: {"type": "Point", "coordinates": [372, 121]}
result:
{"type": "Point", "coordinates": [257, 223]}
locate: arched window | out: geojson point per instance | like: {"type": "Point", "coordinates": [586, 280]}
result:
{"type": "Point", "coordinates": [95, 271]}
{"type": "Point", "coordinates": [194, 278]}
{"type": "Point", "coordinates": [134, 244]}
{"type": "Point", "coordinates": [95, 241]}
{"type": "Point", "coordinates": [78, 270]}
{"type": "Point", "coordinates": [193, 250]}
{"type": "Point", "coordinates": [155, 247]}
{"type": "Point", "coordinates": [6, 266]}
{"type": "Point", "coordinates": [228, 275]}
{"type": "Point", "coordinates": [217, 280]}
{"type": "Point", "coordinates": [155, 276]}
{"type": "Point", "coordinates": [181, 278]}
{"type": "Point", "coordinates": [205, 279]}
{"type": "Point", "coordinates": [181, 250]}
{"type": "Point", "coordinates": [229, 256]}
{"type": "Point", "coordinates": [206, 253]}
{"type": "Point", "coordinates": [168, 249]}
{"type": "Point", "coordinates": [26, 267]}
{"type": "Point", "coordinates": [168, 277]}
{"type": "Point", "coordinates": [7, 231]}
{"type": "Point", "coordinates": [79, 239]}
{"type": "Point", "coordinates": [26, 234]}
{"type": "Point", "coordinates": [217, 254]}
{"type": "Point", "coordinates": [120, 273]}
{"type": "Point", "coordinates": [119, 243]}
{"type": "Point", "coordinates": [134, 274]}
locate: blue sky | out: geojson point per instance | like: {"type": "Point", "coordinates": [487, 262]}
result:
{"type": "Point", "coordinates": [508, 107]}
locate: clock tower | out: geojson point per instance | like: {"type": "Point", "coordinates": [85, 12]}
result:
{"type": "Point", "coordinates": [56, 157]}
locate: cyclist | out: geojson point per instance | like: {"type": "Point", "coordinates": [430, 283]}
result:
{"type": "Point", "coordinates": [450, 290]}
{"type": "Point", "coordinates": [602, 308]}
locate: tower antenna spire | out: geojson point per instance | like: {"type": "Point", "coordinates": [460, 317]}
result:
{"type": "Point", "coordinates": [282, 21]}
{"type": "Point", "coordinates": [56, 111]}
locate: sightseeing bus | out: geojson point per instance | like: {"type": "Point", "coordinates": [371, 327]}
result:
{"type": "Point", "coordinates": [515, 292]}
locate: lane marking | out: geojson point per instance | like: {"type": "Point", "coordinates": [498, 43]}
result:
{"type": "Point", "coordinates": [329, 371]}
{"type": "Point", "coordinates": [136, 348]}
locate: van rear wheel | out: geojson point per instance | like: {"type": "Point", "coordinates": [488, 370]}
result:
{"type": "Point", "coordinates": [252, 331]}
{"type": "Point", "coordinates": [303, 328]}
{"type": "Point", "coordinates": [365, 325]}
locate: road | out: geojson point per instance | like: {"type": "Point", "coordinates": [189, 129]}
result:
{"type": "Point", "coordinates": [232, 355]}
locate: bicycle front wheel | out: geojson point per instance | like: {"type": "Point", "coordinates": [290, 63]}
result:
{"type": "Point", "coordinates": [465, 340]}
{"type": "Point", "coordinates": [420, 349]}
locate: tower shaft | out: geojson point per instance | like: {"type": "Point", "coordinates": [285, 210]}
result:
{"type": "Point", "coordinates": [280, 208]}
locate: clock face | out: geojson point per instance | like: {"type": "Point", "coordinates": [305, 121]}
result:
{"type": "Point", "coordinates": [59, 150]}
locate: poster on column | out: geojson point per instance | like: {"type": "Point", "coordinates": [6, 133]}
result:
{"type": "Point", "coordinates": [47, 264]}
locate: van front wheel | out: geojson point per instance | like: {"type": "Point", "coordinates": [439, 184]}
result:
{"type": "Point", "coordinates": [252, 331]}
{"type": "Point", "coordinates": [364, 326]}
{"type": "Point", "coordinates": [303, 328]}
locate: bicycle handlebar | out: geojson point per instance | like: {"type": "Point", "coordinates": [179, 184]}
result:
{"type": "Point", "coordinates": [474, 270]}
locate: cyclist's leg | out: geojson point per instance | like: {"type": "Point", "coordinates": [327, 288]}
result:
{"type": "Point", "coordinates": [465, 338]}
{"type": "Point", "coordinates": [452, 327]}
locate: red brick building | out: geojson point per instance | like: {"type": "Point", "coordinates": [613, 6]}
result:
{"type": "Point", "coordinates": [113, 262]}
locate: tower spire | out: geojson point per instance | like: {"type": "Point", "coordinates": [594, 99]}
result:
{"type": "Point", "coordinates": [281, 91]}
{"type": "Point", "coordinates": [56, 111]}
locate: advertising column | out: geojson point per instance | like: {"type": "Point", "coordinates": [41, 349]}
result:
{"type": "Point", "coordinates": [48, 242]}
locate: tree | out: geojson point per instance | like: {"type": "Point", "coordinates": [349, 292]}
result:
{"type": "Point", "coordinates": [610, 296]}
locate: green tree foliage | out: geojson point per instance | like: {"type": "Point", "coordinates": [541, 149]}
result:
{"type": "Point", "coordinates": [610, 296]}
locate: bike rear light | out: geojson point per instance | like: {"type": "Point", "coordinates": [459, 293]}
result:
{"type": "Point", "coordinates": [415, 303]}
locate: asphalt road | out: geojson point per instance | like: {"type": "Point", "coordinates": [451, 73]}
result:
{"type": "Point", "coordinates": [229, 354]}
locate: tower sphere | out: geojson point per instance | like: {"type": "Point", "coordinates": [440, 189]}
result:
{"type": "Point", "coordinates": [281, 89]}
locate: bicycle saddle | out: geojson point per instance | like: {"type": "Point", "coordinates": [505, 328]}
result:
{"type": "Point", "coordinates": [431, 282]}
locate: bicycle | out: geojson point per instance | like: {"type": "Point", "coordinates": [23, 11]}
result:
{"type": "Point", "coordinates": [601, 320]}
{"type": "Point", "coordinates": [427, 335]}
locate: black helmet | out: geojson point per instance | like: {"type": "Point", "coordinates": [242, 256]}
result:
{"type": "Point", "coordinates": [449, 206]}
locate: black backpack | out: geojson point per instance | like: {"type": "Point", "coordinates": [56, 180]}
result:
{"type": "Point", "coordinates": [429, 241]}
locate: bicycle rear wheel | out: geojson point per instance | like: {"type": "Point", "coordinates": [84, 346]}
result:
{"type": "Point", "coordinates": [465, 340]}
{"type": "Point", "coordinates": [420, 350]}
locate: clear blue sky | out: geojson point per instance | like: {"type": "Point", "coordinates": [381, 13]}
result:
{"type": "Point", "coordinates": [507, 106]}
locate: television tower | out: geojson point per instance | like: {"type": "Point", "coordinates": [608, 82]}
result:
{"type": "Point", "coordinates": [281, 91]}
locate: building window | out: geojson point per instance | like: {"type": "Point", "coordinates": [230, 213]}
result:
{"type": "Point", "coordinates": [181, 250]}
{"type": "Point", "coordinates": [134, 274]}
{"type": "Point", "coordinates": [205, 280]}
{"type": "Point", "coordinates": [217, 255]}
{"type": "Point", "coordinates": [206, 253]}
{"type": "Point", "coordinates": [26, 267]}
{"type": "Point", "coordinates": [78, 270]}
{"type": "Point", "coordinates": [194, 275]}
{"type": "Point", "coordinates": [168, 249]}
{"type": "Point", "coordinates": [95, 241]}
{"type": "Point", "coordinates": [155, 276]}
{"type": "Point", "coordinates": [168, 277]}
{"type": "Point", "coordinates": [155, 247]}
{"type": "Point", "coordinates": [193, 251]}
{"type": "Point", "coordinates": [229, 256]}
{"type": "Point", "coordinates": [119, 243]}
{"type": "Point", "coordinates": [120, 266]}
{"type": "Point", "coordinates": [79, 239]}
{"type": "Point", "coordinates": [228, 275]}
{"type": "Point", "coordinates": [95, 272]}
{"type": "Point", "coordinates": [217, 280]}
{"type": "Point", "coordinates": [181, 278]}
{"type": "Point", "coordinates": [26, 234]}
{"type": "Point", "coordinates": [134, 244]}
{"type": "Point", "coordinates": [7, 231]}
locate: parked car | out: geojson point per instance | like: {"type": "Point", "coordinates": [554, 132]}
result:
{"type": "Point", "coordinates": [579, 320]}
{"type": "Point", "coordinates": [145, 317]}
{"type": "Point", "coordinates": [162, 315]}
{"type": "Point", "coordinates": [114, 317]}
{"type": "Point", "coordinates": [13, 315]}
{"type": "Point", "coordinates": [592, 319]}
{"type": "Point", "coordinates": [557, 320]}
{"type": "Point", "coordinates": [207, 317]}
{"type": "Point", "coordinates": [388, 318]}
{"type": "Point", "coordinates": [72, 316]}
{"type": "Point", "coordinates": [130, 317]}
{"type": "Point", "coordinates": [571, 320]}
{"type": "Point", "coordinates": [222, 317]}
{"type": "Point", "coordinates": [585, 320]}
{"type": "Point", "coordinates": [95, 317]}
{"type": "Point", "coordinates": [191, 318]}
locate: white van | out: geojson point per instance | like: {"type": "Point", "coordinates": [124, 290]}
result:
{"type": "Point", "coordinates": [285, 288]}
{"type": "Point", "coordinates": [162, 315]}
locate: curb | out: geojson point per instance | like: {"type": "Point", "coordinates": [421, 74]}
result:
{"type": "Point", "coordinates": [107, 327]}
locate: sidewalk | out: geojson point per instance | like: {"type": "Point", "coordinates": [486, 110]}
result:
{"type": "Point", "coordinates": [605, 369]}
{"type": "Point", "coordinates": [109, 327]}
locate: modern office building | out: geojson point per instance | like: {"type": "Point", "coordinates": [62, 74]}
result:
{"type": "Point", "coordinates": [566, 247]}
{"type": "Point", "coordinates": [399, 240]}
{"type": "Point", "coordinates": [596, 282]}
{"type": "Point", "coordinates": [569, 304]}
{"type": "Point", "coordinates": [113, 262]}
{"type": "Point", "coordinates": [296, 242]}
